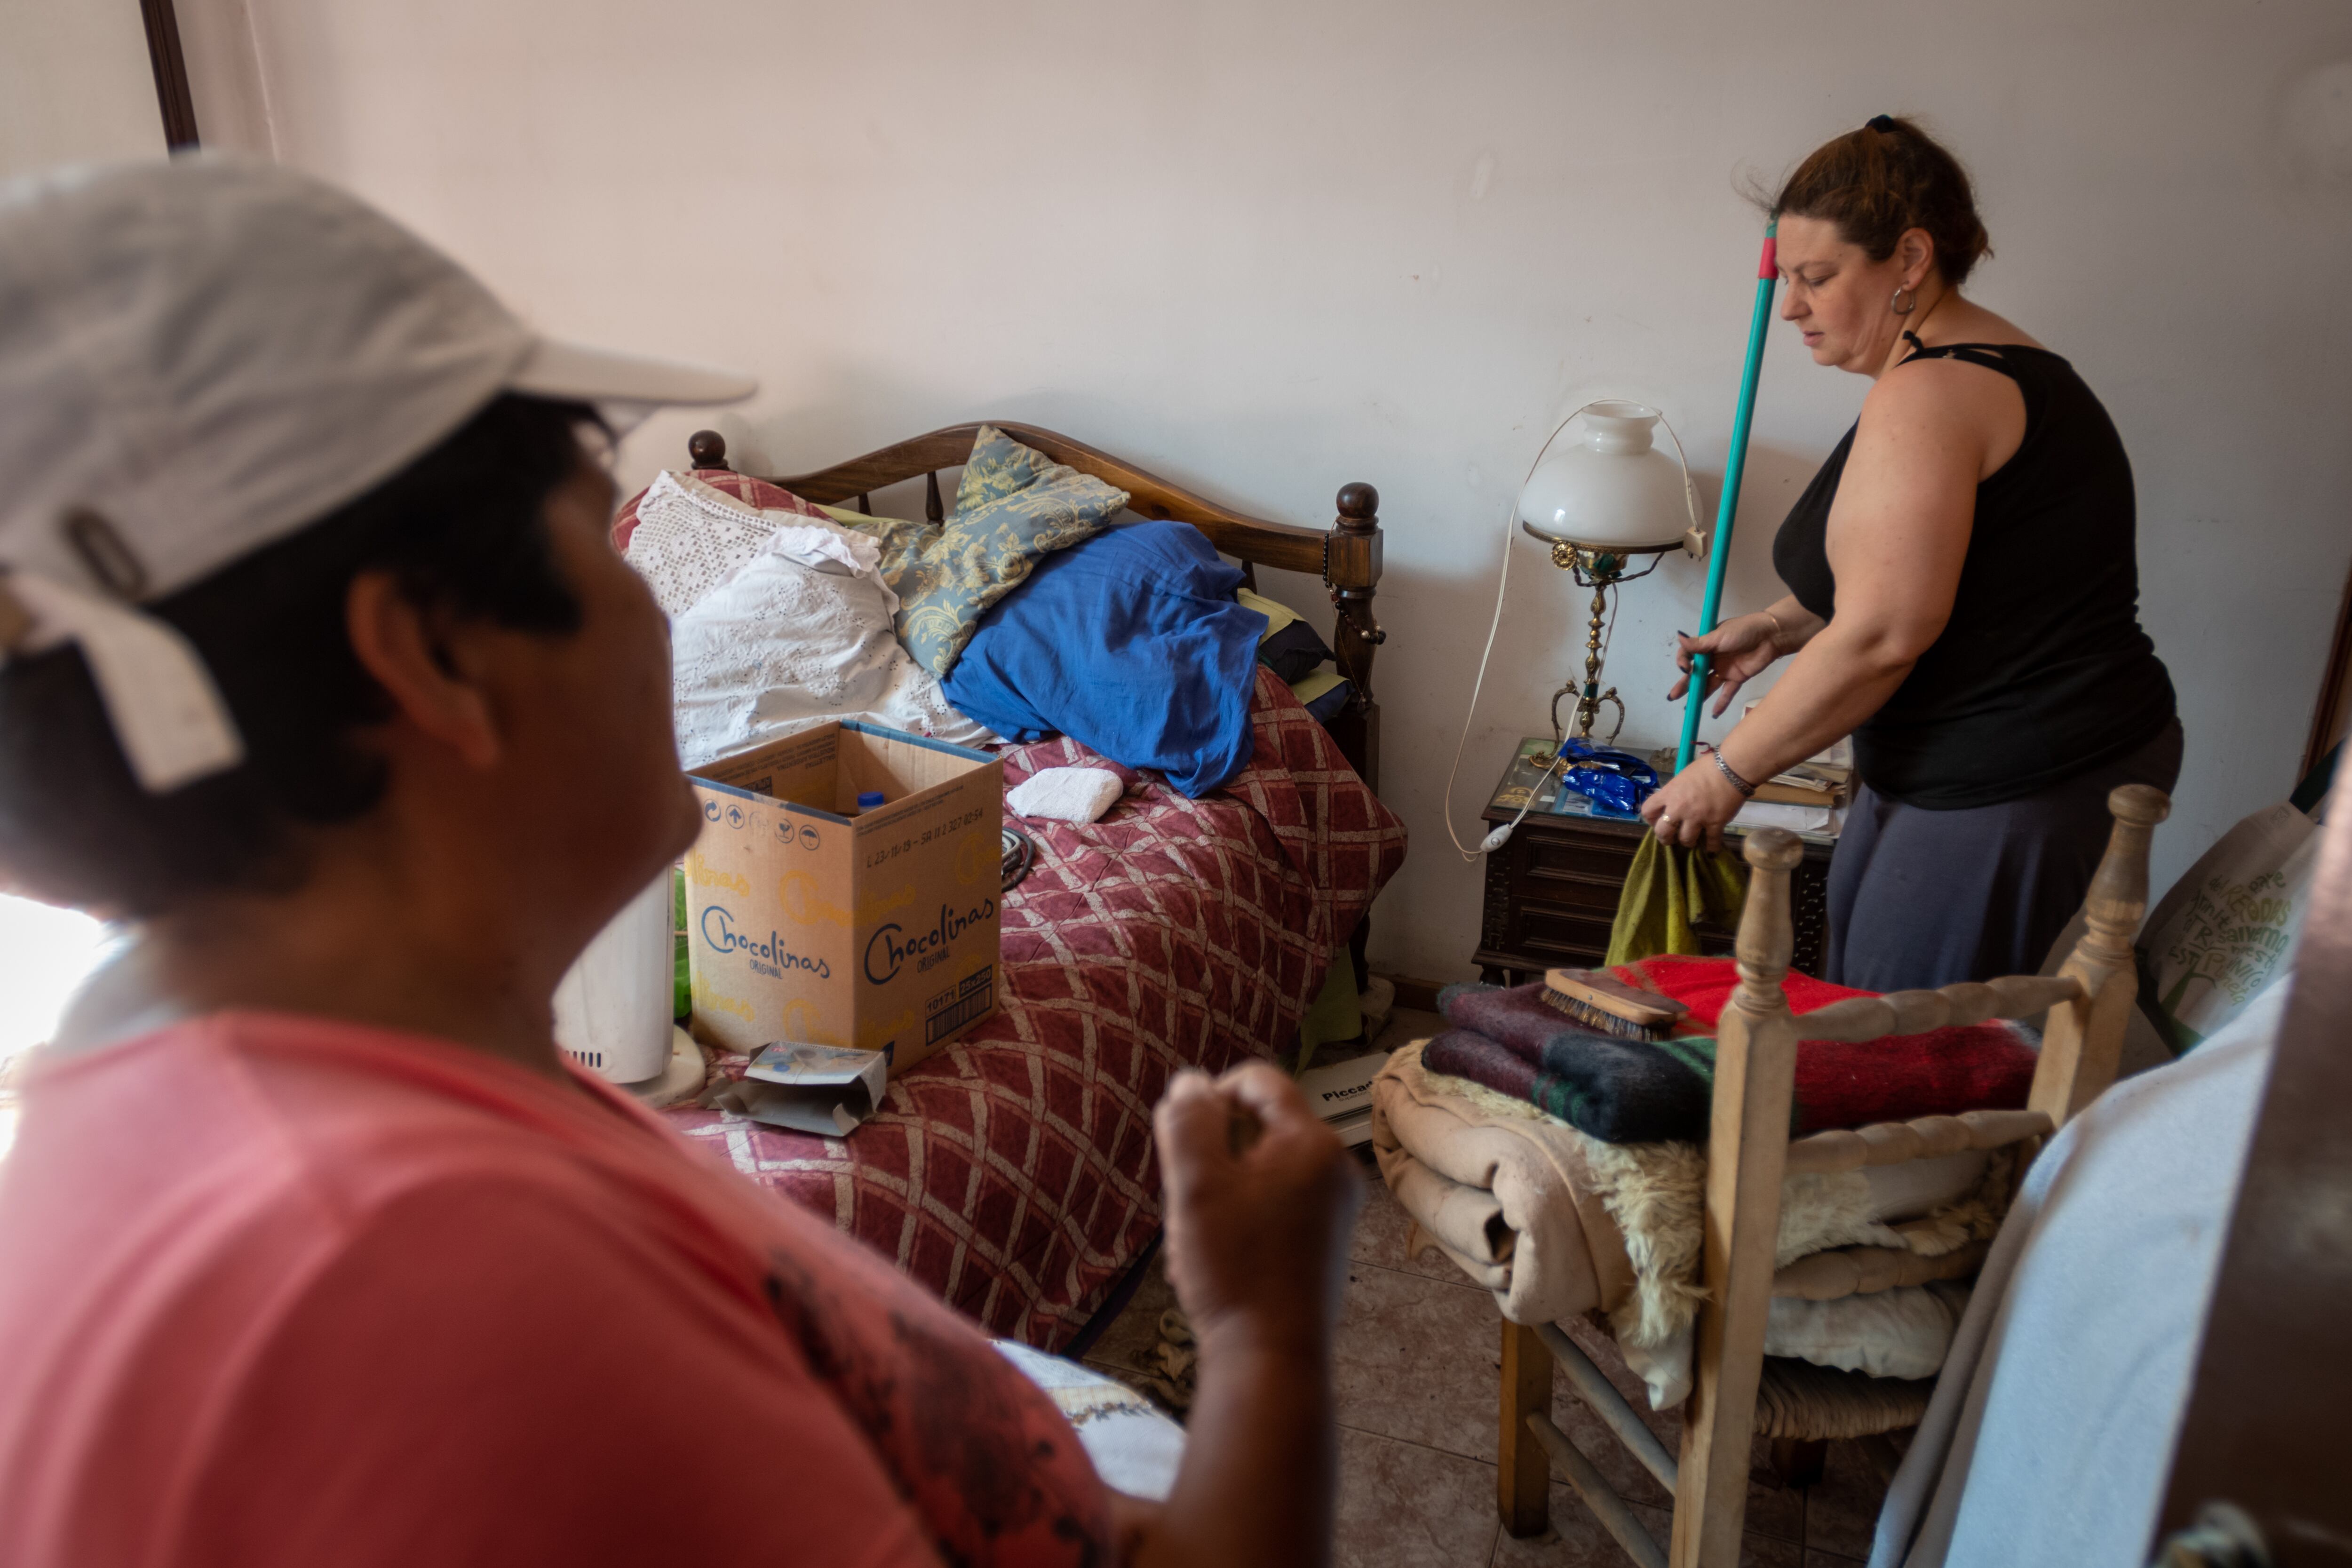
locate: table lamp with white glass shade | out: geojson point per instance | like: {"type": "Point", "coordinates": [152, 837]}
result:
{"type": "Point", "coordinates": [1599, 502]}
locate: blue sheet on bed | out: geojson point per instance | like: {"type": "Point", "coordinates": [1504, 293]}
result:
{"type": "Point", "coordinates": [1131, 643]}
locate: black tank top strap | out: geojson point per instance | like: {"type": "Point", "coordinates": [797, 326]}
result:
{"type": "Point", "coordinates": [1988, 355]}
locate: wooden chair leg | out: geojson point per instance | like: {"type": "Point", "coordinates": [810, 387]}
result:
{"type": "Point", "coordinates": [1523, 1474]}
{"type": "Point", "coordinates": [1798, 1461]}
{"type": "Point", "coordinates": [1882, 1455]}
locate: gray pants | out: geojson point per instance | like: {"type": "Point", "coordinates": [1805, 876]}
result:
{"type": "Point", "coordinates": [1921, 898]}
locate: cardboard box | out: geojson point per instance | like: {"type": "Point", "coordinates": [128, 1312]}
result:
{"type": "Point", "coordinates": [809, 921]}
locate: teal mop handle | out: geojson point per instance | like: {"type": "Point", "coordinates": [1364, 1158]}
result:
{"type": "Point", "coordinates": [1767, 278]}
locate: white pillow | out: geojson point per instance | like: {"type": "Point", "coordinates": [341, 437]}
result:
{"type": "Point", "coordinates": [799, 635]}
{"type": "Point", "coordinates": [691, 537]}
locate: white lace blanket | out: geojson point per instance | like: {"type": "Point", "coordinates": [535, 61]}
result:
{"type": "Point", "coordinates": [786, 625]}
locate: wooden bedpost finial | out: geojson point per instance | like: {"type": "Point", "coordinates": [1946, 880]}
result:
{"type": "Point", "coordinates": [1351, 552]}
{"type": "Point", "coordinates": [706, 449]}
{"type": "Point", "coordinates": [1352, 571]}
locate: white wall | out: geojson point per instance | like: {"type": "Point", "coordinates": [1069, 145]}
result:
{"type": "Point", "coordinates": [1268, 248]}
{"type": "Point", "coordinates": [74, 84]}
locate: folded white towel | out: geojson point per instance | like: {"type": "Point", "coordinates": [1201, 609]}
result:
{"type": "Point", "coordinates": [1066, 794]}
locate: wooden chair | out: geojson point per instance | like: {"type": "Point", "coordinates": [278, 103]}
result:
{"type": "Point", "coordinates": [1738, 1391]}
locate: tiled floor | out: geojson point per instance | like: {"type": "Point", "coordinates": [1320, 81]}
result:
{"type": "Point", "coordinates": [1417, 1361]}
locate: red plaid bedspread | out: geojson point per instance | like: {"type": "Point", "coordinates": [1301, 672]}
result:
{"type": "Point", "coordinates": [1014, 1171]}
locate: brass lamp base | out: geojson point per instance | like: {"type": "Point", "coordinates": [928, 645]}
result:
{"type": "Point", "coordinates": [1598, 568]}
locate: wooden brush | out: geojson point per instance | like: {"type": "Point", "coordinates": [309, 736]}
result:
{"type": "Point", "coordinates": [1600, 1002]}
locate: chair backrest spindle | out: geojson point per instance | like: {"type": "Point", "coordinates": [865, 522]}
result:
{"type": "Point", "coordinates": [2082, 1041]}
{"type": "Point", "coordinates": [1768, 938]}
{"type": "Point", "coordinates": [1748, 1148]}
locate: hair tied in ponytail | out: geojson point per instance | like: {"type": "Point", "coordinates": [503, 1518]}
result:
{"type": "Point", "coordinates": [1887, 177]}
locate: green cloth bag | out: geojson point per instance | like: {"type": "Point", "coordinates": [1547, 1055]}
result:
{"type": "Point", "coordinates": [1336, 1014]}
{"type": "Point", "coordinates": [1669, 889]}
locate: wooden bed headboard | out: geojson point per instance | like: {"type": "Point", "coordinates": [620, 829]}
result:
{"type": "Point", "coordinates": [1345, 556]}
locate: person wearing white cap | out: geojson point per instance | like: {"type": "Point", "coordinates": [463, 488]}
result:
{"type": "Point", "coordinates": [317, 671]}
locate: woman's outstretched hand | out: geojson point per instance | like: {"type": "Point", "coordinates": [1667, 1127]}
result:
{"type": "Point", "coordinates": [1738, 650]}
{"type": "Point", "coordinates": [1260, 1199]}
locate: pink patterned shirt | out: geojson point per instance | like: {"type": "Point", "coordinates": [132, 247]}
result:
{"type": "Point", "coordinates": [280, 1289]}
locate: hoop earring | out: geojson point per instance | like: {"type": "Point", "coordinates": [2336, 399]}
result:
{"type": "Point", "coordinates": [1901, 306]}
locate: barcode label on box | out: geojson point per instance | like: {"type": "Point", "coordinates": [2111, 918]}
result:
{"type": "Point", "coordinates": [958, 1004]}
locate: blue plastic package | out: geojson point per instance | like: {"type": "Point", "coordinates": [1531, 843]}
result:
{"type": "Point", "coordinates": [1615, 782]}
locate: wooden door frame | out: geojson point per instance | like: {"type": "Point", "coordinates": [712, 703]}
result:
{"type": "Point", "coordinates": [2332, 683]}
{"type": "Point", "coordinates": [2264, 1427]}
{"type": "Point", "coordinates": [171, 94]}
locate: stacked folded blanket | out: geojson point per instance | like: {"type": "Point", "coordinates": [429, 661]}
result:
{"type": "Point", "coordinates": [1564, 1168]}
{"type": "Point", "coordinates": [1646, 1091]}
{"type": "Point", "coordinates": [1556, 1224]}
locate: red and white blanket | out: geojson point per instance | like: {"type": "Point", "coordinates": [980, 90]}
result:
{"type": "Point", "coordinates": [1013, 1173]}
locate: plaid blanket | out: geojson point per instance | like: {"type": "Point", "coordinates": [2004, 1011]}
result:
{"type": "Point", "coordinates": [1013, 1173]}
{"type": "Point", "coordinates": [1636, 1092]}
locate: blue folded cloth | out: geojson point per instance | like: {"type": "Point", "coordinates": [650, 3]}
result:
{"type": "Point", "coordinates": [1131, 643]}
{"type": "Point", "coordinates": [1294, 652]}
{"type": "Point", "coordinates": [1327, 707]}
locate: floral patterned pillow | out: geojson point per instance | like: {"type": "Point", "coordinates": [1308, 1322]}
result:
{"type": "Point", "coordinates": [1014, 507]}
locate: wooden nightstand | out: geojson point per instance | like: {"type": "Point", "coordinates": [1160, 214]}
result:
{"type": "Point", "coordinates": [1552, 892]}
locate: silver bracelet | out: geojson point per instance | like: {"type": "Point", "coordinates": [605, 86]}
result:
{"type": "Point", "coordinates": [1747, 791]}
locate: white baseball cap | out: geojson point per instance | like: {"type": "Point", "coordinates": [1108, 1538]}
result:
{"type": "Point", "coordinates": [201, 356]}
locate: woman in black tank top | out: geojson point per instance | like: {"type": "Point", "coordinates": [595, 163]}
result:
{"type": "Point", "coordinates": [1964, 595]}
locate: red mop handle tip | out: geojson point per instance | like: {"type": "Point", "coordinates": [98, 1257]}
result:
{"type": "Point", "coordinates": [1770, 266]}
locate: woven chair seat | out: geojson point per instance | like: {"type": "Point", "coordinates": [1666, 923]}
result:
{"type": "Point", "coordinates": [1798, 1399]}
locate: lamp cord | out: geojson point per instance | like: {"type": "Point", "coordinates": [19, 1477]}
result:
{"type": "Point", "coordinates": [1495, 840]}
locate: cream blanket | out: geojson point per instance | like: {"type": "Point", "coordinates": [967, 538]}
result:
{"type": "Point", "coordinates": [1556, 1224]}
